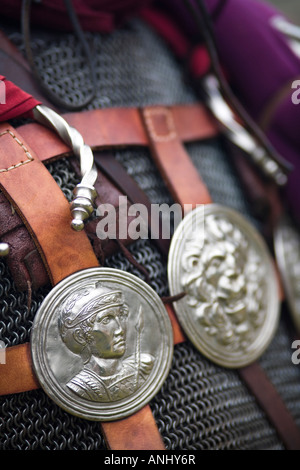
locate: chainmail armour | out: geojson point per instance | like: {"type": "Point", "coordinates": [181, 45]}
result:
{"type": "Point", "coordinates": [201, 405]}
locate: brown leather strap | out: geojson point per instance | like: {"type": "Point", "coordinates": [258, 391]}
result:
{"type": "Point", "coordinates": [138, 432]}
{"type": "Point", "coordinates": [271, 107]}
{"type": "Point", "coordinates": [17, 373]}
{"type": "Point", "coordinates": [171, 158]}
{"type": "Point", "coordinates": [180, 176]}
{"type": "Point", "coordinates": [24, 262]}
{"type": "Point", "coordinates": [117, 173]}
{"type": "Point", "coordinates": [134, 433]}
{"type": "Point", "coordinates": [41, 206]}
{"type": "Point", "coordinates": [116, 127]}
{"type": "Point", "coordinates": [270, 401]}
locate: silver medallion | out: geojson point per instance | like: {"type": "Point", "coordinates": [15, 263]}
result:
{"type": "Point", "coordinates": [287, 249]}
{"type": "Point", "coordinates": [102, 344]}
{"type": "Point", "coordinates": [231, 308]}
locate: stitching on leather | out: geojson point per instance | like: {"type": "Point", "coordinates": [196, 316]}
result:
{"type": "Point", "coordinates": [23, 162]}
{"type": "Point", "coordinates": [169, 121]}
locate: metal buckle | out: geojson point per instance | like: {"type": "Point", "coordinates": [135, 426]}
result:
{"type": "Point", "coordinates": [231, 308]}
{"type": "Point", "coordinates": [102, 344]}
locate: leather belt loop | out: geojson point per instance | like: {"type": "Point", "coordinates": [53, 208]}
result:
{"type": "Point", "coordinates": [171, 158]}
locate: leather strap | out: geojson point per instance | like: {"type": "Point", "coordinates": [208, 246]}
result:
{"type": "Point", "coordinates": [269, 110]}
{"type": "Point", "coordinates": [171, 158]}
{"type": "Point", "coordinates": [43, 210]}
{"type": "Point", "coordinates": [24, 261]}
{"type": "Point", "coordinates": [271, 402]}
{"type": "Point", "coordinates": [180, 176]}
{"type": "Point", "coordinates": [161, 128]}
{"type": "Point", "coordinates": [192, 122]}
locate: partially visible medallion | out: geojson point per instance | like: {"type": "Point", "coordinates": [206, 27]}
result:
{"type": "Point", "coordinates": [102, 344]}
{"type": "Point", "coordinates": [231, 308]}
{"type": "Point", "coordinates": [287, 249]}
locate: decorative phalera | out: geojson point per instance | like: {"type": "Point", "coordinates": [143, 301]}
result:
{"type": "Point", "coordinates": [102, 344]}
{"type": "Point", "coordinates": [231, 308]}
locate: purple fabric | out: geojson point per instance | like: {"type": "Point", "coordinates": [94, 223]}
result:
{"type": "Point", "coordinates": [258, 62]}
{"type": "Point", "coordinates": [256, 57]}
{"type": "Point", "coordinates": [93, 15]}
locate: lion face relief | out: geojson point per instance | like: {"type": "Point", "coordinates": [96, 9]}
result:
{"type": "Point", "coordinates": [224, 280]}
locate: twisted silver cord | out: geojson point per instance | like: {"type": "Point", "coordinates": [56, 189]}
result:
{"type": "Point", "coordinates": [82, 205]}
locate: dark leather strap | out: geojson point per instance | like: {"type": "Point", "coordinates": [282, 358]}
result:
{"type": "Point", "coordinates": [270, 401]}
{"type": "Point", "coordinates": [269, 110]}
{"type": "Point", "coordinates": [127, 185]}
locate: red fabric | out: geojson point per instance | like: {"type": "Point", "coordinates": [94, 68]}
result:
{"type": "Point", "coordinates": [168, 30]}
{"type": "Point", "coordinates": [17, 102]}
{"type": "Point", "coordinates": [94, 15]}
{"type": "Point", "coordinates": [200, 63]}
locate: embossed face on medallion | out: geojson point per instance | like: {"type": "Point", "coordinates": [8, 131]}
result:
{"type": "Point", "coordinates": [102, 344]}
{"type": "Point", "coordinates": [93, 324]}
{"type": "Point", "coordinates": [227, 275]}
